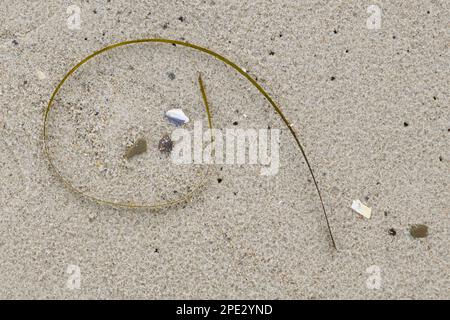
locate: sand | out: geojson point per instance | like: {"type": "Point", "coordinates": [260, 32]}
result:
{"type": "Point", "coordinates": [371, 107]}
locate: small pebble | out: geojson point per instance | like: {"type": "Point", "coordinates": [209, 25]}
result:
{"type": "Point", "coordinates": [392, 232]}
{"type": "Point", "coordinates": [165, 144]}
{"type": "Point", "coordinates": [419, 231]}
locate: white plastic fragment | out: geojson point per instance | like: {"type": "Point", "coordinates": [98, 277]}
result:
{"type": "Point", "coordinates": [177, 117]}
{"type": "Point", "coordinates": [362, 209]}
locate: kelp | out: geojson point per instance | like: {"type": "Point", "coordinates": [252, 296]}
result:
{"type": "Point", "coordinates": [202, 179]}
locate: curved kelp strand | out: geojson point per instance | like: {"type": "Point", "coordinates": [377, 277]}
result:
{"type": "Point", "coordinates": [205, 101]}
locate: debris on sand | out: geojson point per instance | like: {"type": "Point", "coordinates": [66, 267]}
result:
{"type": "Point", "coordinates": [418, 231]}
{"type": "Point", "coordinates": [139, 147]}
{"type": "Point", "coordinates": [177, 117]}
{"type": "Point", "coordinates": [41, 75]}
{"type": "Point", "coordinates": [362, 209]}
{"type": "Point", "coordinates": [165, 144]}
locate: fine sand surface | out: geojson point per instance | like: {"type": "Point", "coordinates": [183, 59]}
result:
{"type": "Point", "coordinates": [370, 104]}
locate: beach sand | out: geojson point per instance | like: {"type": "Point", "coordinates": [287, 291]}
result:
{"type": "Point", "coordinates": [370, 104]}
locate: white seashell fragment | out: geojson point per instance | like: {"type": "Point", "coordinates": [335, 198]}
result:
{"type": "Point", "coordinates": [362, 209]}
{"type": "Point", "coordinates": [177, 117]}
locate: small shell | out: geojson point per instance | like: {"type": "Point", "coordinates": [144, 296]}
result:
{"type": "Point", "coordinates": [363, 210]}
{"type": "Point", "coordinates": [177, 117]}
{"type": "Point", "coordinates": [41, 75]}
